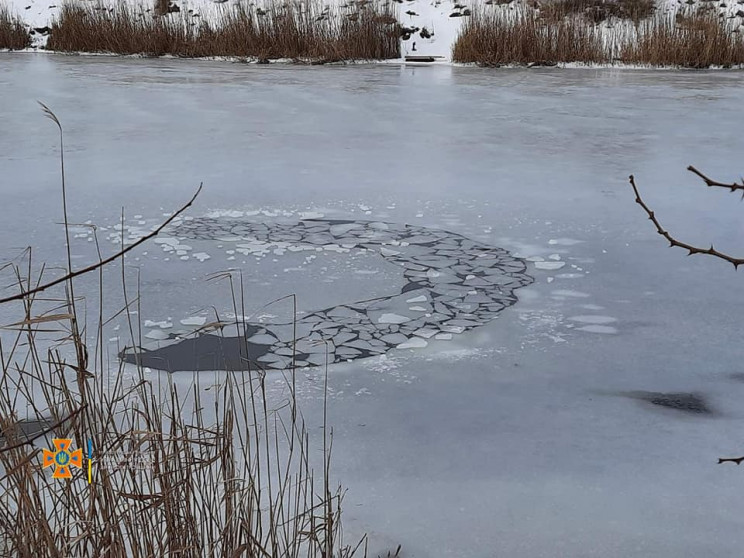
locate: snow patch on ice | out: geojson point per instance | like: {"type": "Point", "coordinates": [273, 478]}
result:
{"type": "Point", "coordinates": [564, 241]}
{"type": "Point", "coordinates": [598, 329]}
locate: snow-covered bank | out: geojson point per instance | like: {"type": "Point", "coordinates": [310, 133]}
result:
{"type": "Point", "coordinates": [430, 27]}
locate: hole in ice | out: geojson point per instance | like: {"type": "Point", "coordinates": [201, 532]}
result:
{"type": "Point", "coordinates": [456, 283]}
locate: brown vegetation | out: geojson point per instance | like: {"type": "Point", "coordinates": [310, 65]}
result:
{"type": "Point", "coordinates": [292, 30]}
{"type": "Point", "coordinates": [495, 38]}
{"type": "Point", "coordinates": [201, 468]}
{"type": "Point", "coordinates": [698, 40]}
{"type": "Point", "coordinates": [13, 33]}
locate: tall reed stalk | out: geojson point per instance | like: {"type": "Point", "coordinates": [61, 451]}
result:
{"type": "Point", "coordinates": [205, 467]}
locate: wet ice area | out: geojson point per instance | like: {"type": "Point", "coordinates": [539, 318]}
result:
{"type": "Point", "coordinates": [585, 419]}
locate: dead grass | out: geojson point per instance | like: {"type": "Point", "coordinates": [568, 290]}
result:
{"type": "Point", "coordinates": [13, 33]}
{"type": "Point", "coordinates": [291, 30]}
{"type": "Point", "coordinates": [695, 41]}
{"type": "Point", "coordinates": [495, 38]}
{"type": "Point", "coordinates": [699, 39]}
{"type": "Point", "coordinates": [201, 468]}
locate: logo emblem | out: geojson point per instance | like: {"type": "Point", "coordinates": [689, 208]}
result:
{"type": "Point", "coordinates": [62, 458]}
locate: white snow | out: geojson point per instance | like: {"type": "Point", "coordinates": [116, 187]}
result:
{"type": "Point", "coordinates": [194, 321]}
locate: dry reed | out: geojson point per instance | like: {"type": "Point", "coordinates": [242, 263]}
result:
{"type": "Point", "coordinates": [189, 473]}
{"type": "Point", "coordinates": [364, 31]}
{"type": "Point", "coordinates": [13, 33]}
{"type": "Point", "coordinates": [496, 37]}
{"type": "Point", "coordinates": [698, 39]}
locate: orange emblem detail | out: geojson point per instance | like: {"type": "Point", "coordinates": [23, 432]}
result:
{"type": "Point", "coordinates": [62, 458]}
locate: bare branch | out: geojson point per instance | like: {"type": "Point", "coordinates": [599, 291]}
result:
{"type": "Point", "coordinates": [101, 263]}
{"type": "Point", "coordinates": [736, 460]}
{"type": "Point", "coordinates": [736, 262]}
{"type": "Point", "coordinates": [710, 182]}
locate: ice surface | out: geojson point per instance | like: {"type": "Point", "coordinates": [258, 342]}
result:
{"type": "Point", "coordinates": [413, 343]}
{"type": "Point", "coordinates": [515, 438]}
{"type": "Point", "coordinates": [593, 319]}
{"type": "Point", "coordinates": [597, 329]}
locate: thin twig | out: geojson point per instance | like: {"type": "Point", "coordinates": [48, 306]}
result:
{"type": "Point", "coordinates": [736, 460]}
{"type": "Point", "coordinates": [710, 182]}
{"type": "Point", "coordinates": [101, 263]}
{"type": "Point", "coordinates": [736, 262]}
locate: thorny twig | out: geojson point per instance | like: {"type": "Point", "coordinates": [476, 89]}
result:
{"type": "Point", "coordinates": [692, 249]}
{"type": "Point", "coordinates": [736, 262]}
{"type": "Point", "coordinates": [710, 182]}
{"type": "Point", "coordinates": [101, 263]}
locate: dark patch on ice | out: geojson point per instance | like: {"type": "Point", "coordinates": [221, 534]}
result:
{"type": "Point", "coordinates": [204, 352]}
{"type": "Point", "coordinates": [693, 403]}
{"type": "Point", "coordinates": [452, 284]}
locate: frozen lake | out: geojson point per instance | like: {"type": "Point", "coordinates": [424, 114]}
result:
{"type": "Point", "coordinates": [544, 432]}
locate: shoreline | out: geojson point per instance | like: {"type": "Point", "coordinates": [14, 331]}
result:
{"type": "Point", "coordinates": [386, 62]}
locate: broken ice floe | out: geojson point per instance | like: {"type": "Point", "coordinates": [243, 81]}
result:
{"type": "Point", "coordinates": [452, 284]}
{"type": "Point", "coordinates": [194, 321]}
{"type": "Point", "coordinates": [550, 266]}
